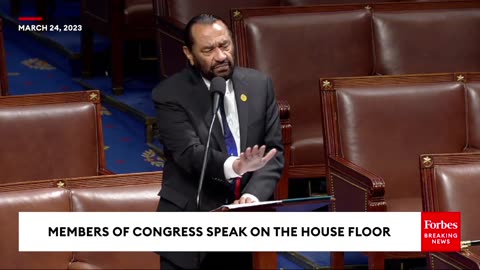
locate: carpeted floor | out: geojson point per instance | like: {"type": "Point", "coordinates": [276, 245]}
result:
{"type": "Point", "coordinates": [30, 71]}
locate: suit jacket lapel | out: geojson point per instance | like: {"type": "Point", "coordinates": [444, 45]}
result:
{"type": "Point", "coordinates": [240, 87]}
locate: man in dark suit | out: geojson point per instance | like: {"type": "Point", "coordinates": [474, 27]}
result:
{"type": "Point", "coordinates": [250, 165]}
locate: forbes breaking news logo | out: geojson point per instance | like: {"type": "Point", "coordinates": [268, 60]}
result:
{"type": "Point", "coordinates": [441, 232]}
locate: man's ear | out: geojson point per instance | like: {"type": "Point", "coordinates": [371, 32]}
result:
{"type": "Point", "coordinates": [189, 55]}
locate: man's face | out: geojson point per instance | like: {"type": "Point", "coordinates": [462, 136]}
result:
{"type": "Point", "coordinates": [212, 50]}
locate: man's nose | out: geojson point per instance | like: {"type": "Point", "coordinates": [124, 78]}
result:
{"type": "Point", "coordinates": [220, 55]}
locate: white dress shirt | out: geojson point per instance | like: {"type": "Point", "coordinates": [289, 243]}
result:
{"type": "Point", "coordinates": [231, 112]}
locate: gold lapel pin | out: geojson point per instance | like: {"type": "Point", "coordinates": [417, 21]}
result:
{"type": "Point", "coordinates": [243, 97]}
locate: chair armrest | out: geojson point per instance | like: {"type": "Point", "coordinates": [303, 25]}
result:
{"type": "Point", "coordinates": [284, 111]}
{"type": "Point", "coordinates": [354, 188]}
{"type": "Point", "coordinates": [454, 260]}
{"type": "Point", "coordinates": [284, 114]}
{"type": "Point", "coordinates": [471, 149]}
{"type": "Point", "coordinates": [358, 175]}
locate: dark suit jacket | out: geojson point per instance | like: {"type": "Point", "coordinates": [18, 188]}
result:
{"type": "Point", "coordinates": [184, 107]}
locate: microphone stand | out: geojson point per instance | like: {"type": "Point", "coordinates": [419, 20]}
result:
{"type": "Point", "coordinates": [218, 87]}
{"type": "Point", "coordinates": [204, 166]}
{"type": "Point", "coordinates": [216, 106]}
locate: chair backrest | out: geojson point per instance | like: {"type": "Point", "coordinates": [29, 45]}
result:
{"type": "Point", "coordinates": [121, 192]}
{"type": "Point", "coordinates": [183, 10]}
{"type": "Point", "coordinates": [473, 104]}
{"type": "Point", "coordinates": [450, 183]}
{"type": "Point", "coordinates": [383, 123]}
{"type": "Point", "coordinates": [47, 136]}
{"type": "Point", "coordinates": [426, 37]}
{"type": "Point", "coordinates": [29, 200]}
{"type": "Point", "coordinates": [296, 44]}
{"type": "Point", "coordinates": [3, 65]}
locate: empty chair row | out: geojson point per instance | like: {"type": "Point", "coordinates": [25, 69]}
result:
{"type": "Point", "coordinates": [297, 45]}
{"type": "Point", "coordinates": [107, 193]}
{"type": "Point", "coordinates": [126, 20]}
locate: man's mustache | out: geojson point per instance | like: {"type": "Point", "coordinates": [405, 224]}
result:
{"type": "Point", "coordinates": [222, 64]}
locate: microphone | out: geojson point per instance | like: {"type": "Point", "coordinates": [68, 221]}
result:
{"type": "Point", "coordinates": [217, 88]}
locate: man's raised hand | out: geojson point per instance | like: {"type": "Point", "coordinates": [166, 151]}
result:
{"type": "Point", "coordinates": [252, 159]}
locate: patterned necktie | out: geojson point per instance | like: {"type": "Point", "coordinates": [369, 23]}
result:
{"type": "Point", "coordinates": [231, 147]}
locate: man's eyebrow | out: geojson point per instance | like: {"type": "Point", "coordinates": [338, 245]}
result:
{"type": "Point", "coordinates": [213, 45]}
{"type": "Point", "coordinates": [207, 46]}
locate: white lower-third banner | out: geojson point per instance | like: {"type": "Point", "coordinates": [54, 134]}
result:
{"type": "Point", "coordinates": [226, 231]}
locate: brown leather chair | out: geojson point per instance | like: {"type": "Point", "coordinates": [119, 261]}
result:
{"type": "Point", "coordinates": [119, 20]}
{"type": "Point", "coordinates": [276, 40]}
{"type": "Point", "coordinates": [15, 199]}
{"type": "Point", "coordinates": [473, 103]}
{"type": "Point", "coordinates": [450, 184]}
{"type": "Point", "coordinates": [127, 193]}
{"type": "Point", "coordinates": [48, 136]}
{"type": "Point", "coordinates": [3, 65]}
{"type": "Point", "coordinates": [426, 37]}
{"type": "Point", "coordinates": [171, 18]}
{"type": "Point", "coordinates": [122, 192]}
{"type": "Point", "coordinates": [375, 129]}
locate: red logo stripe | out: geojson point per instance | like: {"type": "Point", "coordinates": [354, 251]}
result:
{"type": "Point", "coordinates": [30, 18]}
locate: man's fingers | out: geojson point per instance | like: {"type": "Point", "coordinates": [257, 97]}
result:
{"type": "Point", "coordinates": [253, 158]}
{"type": "Point", "coordinates": [254, 152]}
{"type": "Point", "coordinates": [248, 153]}
{"type": "Point", "coordinates": [248, 200]}
{"type": "Point", "coordinates": [269, 155]}
{"type": "Point", "coordinates": [244, 199]}
{"type": "Point", "coordinates": [261, 151]}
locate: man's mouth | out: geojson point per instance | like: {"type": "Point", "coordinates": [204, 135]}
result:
{"type": "Point", "coordinates": [222, 66]}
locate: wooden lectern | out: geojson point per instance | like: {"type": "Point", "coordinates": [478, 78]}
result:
{"type": "Point", "coordinates": [269, 260]}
